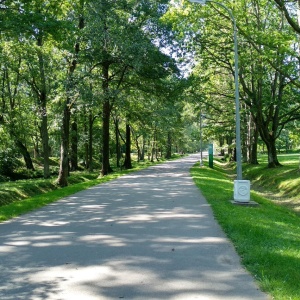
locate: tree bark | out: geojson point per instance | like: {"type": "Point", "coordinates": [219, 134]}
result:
{"type": "Point", "coordinates": [139, 151]}
{"type": "Point", "coordinates": [65, 128]}
{"type": "Point", "coordinates": [142, 157]}
{"type": "Point", "coordinates": [245, 136]}
{"type": "Point", "coordinates": [169, 146]}
{"type": "Point", "coordinates": [90, 144]}
{"type": "Point", "coordinates": [106, 109]}
{"type": "Point", "coordinates": [272, 154]}
{"type": "Point", "coordinates": [153, 148]}
{"type": "Point", "coordinates": [86, 140]}
{"type": "Point", "coordinates": [64, 148]}
{"type": "Point", "coordinates": [127, 163]}
{"type": "Point", "coordinates": [74, 145]}
{"type": "Point", "coordinates": [253, 147]}
{"type": "Point", "coordinates": [25, 154]}
{"type": "Point", "coordinates": [229, 140]}
{"type": "Point", "coordinates": [106, 169]}
{"type": "Point", "coordinates": [118, 151]}
{"type": "Point", "coordinates": [221, 142]}
{"type": "Point", "coordinates": [42, 95]}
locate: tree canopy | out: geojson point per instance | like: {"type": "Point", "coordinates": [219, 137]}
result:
{"type": "Point", "coordinates": [89, 82]}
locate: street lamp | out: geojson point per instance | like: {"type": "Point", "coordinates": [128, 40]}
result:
{"type": "Point", "coordinates": [201, 145]}
{"type": "Point", "coordinates": [239, 180]}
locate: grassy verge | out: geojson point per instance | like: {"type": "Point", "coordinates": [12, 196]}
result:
{"type": "Point", "coordinates": [280, 184]}
{"type": "Point", "coordinates": [266, 237]}
{"type": "Point", "coordinates": [17, 208]}
{"type": "Point", "coordinates": [22, 196]}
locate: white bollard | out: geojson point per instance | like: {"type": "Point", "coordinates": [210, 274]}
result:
{"type": "Point", "coordinates": [241, 191]}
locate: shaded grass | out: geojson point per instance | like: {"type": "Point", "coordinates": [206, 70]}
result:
{"type": "Point", "coordinates": [15, 209]}
{"type": "Point", "coordinates": [266, 237]}
{"type": "Point", "coordinates": [23, 189]}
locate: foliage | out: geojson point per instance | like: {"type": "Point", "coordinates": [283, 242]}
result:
{"type": "Point", "coordinates": [157, 65]}
{"type": "Point", "coordinates": [268, 67]}
{"type": "Point", "coordinates": [9, 162]}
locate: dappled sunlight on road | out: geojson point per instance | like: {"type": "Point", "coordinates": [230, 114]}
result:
{"type": "Point", "coordinates": [147, 235]}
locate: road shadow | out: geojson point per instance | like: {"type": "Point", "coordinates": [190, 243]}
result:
{"type": "Point", "coordinates": [147, 235]}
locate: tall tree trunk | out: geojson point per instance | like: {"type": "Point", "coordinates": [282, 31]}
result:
{"type": "Point", "coordinates": [64, 148]}
{"type": "Point", "coordinates": [45, 143]}
{"type": "Point", "coordinates": [74, 145]}
{"type": "Point", "coordinates": [91, 122]}
{"type": "Point", "coordinates": [36, 151]}
{"type": "Point", "coordinates": [137, 145]}
{"type": "Point", "coordinates": [65, 128]}
{"type": "Point", "coordinates": [221, 142]}
{"type": "Point", "coordinates": [169, 146]}
{"type": "Point", "coordinates": [139, 151]}
{"type": "Point", "coordinates": [272, 154]}
{"type": "Point", "coordinates": [253, 146]}
{"type": "Point", "coordinates": [118, 151]}
{"type": "Point", "coordinates": [230, 149]}
{"type": "Point", "coordinates": [269, 138]}
{"type": "Point", "coordinates": [86, 141]}
{"type": "Point", "coordinates": [142, 157]}
{"type": "Point", "coordinates": [42, 95]}
{"type": "Point", "coordinates": [25, 154]}
{"type": "Point", "coordinates": [249, 136]}
{"type": "Point", "coordinates": [153, 148]}
{"type": "Point", "coordinates": [127, 162]}
{"type": "Point", "coordinates": [149, 149]}
{"type": "Point", "coordinates": [106, 169]}
{"type": "Point", "coordinates": [246, 134]}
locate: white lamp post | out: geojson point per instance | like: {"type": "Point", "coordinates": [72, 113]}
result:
{"type": "Point", "coordinates": [242, 187]}
{"type": "Point", "coordinates": [201, 144]}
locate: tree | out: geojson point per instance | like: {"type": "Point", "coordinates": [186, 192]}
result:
{"type": "Point", "coordinates": [268, 64]}
{"type": "Point", "coordinates": [13, 111]}
{"type": "Point", "coordinates": [121, 42]}
{"type": "Point", "coordinates": [291, 12]}
{"type": "Point", "coordinates": [263, 75]}
{"type": "Point", "coordinates": [38, 25]}
{"type": "Point", "coordinates": [70, 100]}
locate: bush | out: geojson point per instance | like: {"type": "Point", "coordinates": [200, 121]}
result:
{"type": "Point", "coordinates": [4, 178]}
{"type": "Point", "coordinates": [22, 173]}
{"type": "Point", "coordinates": [8, 162]}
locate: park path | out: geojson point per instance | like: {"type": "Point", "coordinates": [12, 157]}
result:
{"type": "Point", "coordinates": [147, 235]}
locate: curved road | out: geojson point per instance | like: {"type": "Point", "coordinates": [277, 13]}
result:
{"type": "Point", "coordinates": [147, 235]}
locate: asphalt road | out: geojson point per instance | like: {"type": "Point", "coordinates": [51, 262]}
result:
{"type": "Point", "coordinates": [147, 235]}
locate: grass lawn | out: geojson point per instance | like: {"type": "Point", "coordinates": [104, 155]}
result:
{"type": "Point", "coordinates": [266, 237]}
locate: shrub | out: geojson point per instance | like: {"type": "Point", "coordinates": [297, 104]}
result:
{"type": "Point", "coordinates": [8, 162]}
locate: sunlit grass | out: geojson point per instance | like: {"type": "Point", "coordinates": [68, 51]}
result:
{"type": "Point", "coordinates": [284, 159]}
{"type": "Point", "coordinates": [266, 237]}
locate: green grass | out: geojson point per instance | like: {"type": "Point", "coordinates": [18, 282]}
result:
{"type": "Point", "coordinates": [281, 184]}
{"type": "Point", "coordinates": [266, 237]}
{"type": "Point", "coordinates": [17, 208]}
